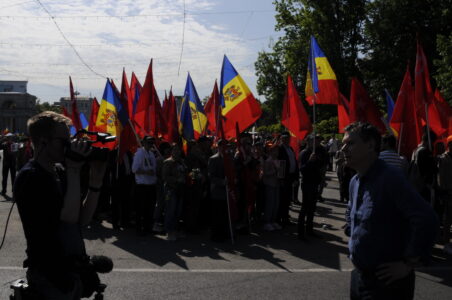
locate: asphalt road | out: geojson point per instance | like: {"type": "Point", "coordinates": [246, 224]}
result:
{"type": "Point", "coordinates": [263, 265]}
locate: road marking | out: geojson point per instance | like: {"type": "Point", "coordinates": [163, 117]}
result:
{"type": "Point", "coordinates": [312, 270]}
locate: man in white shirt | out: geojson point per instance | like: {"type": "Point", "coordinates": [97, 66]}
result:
{"type": "Point", "coordinates": [144, 167]}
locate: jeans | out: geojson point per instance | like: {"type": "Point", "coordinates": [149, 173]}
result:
{"type": "Point", "coordinates": [369, 287]}
{"type": "Point", "coordinates": [271, 203]}
{"type": "Point", "coordinates": [174, 206]}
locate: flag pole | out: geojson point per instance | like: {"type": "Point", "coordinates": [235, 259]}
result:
{"type": "Point", "coordinates": [229, 210]}
{"type": "Point", "coordinates": [400, 138]}
{"type": "Point", "coordinates": [428, 128]}
{"type": "Point", "coordinates": [313, 119]}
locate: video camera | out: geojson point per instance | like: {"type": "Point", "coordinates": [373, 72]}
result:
{"type": "Point", "coordinates": [92, 137]}
{"type": "Point", "coordinates": [87, 268]}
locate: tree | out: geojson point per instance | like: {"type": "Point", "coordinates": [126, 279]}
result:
{"type": "Point", "coordinates": [337, 27]}
{"type": "Point", "coordinates": [390, 33]}
{"type": "Point", "coordinates": [444, 71]}
{"type": "Point", "coordinates": [45, 106]}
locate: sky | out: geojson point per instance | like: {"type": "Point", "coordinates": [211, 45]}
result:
{"type": "Point", "coordinates": [110, 35]}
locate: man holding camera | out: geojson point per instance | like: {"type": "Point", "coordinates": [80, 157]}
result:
{"type": "Point", "coordinates": [47, 192]}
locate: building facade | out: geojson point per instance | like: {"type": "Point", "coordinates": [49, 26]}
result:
{"type": "Point", "coordinates": [16, 106]}
{"type": "Point", "coordinates": [83, 105]}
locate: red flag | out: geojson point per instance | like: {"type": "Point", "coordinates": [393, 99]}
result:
{"type": "Point", "coordinates": [143, 105]}
{"type": "Point", "coordinates": [439, 112]}
{"type": "Point", "coordinates": [127, 140]}
{"type": "Point", "coordinates": [213, 111]}
{"type": "Point", "coordinates": [126, 95]}
{"type": "Point", "coordinates": [404, 121]}
{"type": "Point", "coordinates": [65, 113]}
{"type": "Point", "coordinates": [362, 108]}
{"type": "Point", "coordinates": [423, 93]}
{"type": "Point", "coordinates": [93, 116]}
{"type": "Point", "coordinates": [75, 116]}
{"type": "Point", "coordinates": [165, 107]}
{"type": "Point", "coordinates": [294, 116]}
{"type": "Point", "coordinates": [135, 90]}
{"type": "Point", "coordinates": [343, 111]}
{"type": "Point", "coordinates": [172, 134]}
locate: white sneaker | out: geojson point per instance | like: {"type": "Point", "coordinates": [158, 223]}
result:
{"type": "Point", "coordinates": [276, 226]}
{"type": "Point", "coordinates": [268, 227]}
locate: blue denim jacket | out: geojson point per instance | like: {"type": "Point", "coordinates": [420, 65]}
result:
{"type": "Point", "coordinates": [389, 220]}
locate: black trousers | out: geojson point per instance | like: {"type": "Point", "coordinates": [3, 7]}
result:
{"type": "Point", "coordinates": [368, 287]}
{"type": "Point", "coordinates": [8, 168]}
{"type": "Point", "coordinates": [308, 206]}
{"type": "Point", "coordinates": [285, 198]}
{"type": "Point", "coordinates": [145, 197]}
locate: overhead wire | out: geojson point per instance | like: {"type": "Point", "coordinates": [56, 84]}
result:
{"type": "Point", "coordinates": [69, 43]}
{"type": "Point", "coordinates": [183, 40]}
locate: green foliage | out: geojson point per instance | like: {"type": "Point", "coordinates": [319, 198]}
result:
{"type": "Point", "coordinates": [272, 128]}
{"type": "Point", "coordinates": [45, 106]}
{"type": "Point", "coordinates": [371, 40]}
{"type": "Point", "coordinates": [444, 64]}
{"type": "Point", "coordinates": [327, 127]}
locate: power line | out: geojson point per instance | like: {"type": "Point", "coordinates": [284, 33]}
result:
{"type": "Point", "coordinates": [69, 43]}
{"type": "Point", "coordinates": [183, 39]}
{"type": "Point", "coordinates": [193, 13]}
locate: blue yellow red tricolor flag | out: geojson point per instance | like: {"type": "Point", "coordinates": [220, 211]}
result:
{"type": "Point", "coordinates": [111, 117]}
{"type": "Point", "coordinates": [195, 109]}
{"type": "Point", "coordinates": [84, 121]}
{"type": "Point", "coordinates": [321, 84]}
{"type": "Point", "coordinates": [239, 104]}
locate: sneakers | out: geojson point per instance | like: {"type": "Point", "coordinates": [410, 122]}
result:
{"type": "Point", "coordinates": [268, 227]}
{"type": "Point", "coordinates": [276, 226]}
{"type": "Point", "coordinates": [158, 228]}
{"type": "Point", "coordinates": [448, 249]}
{"type": "Point", "coordinates": [171, 236]}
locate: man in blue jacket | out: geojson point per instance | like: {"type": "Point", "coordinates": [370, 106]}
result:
{"type": "Point", "coordinates": [392, 229]}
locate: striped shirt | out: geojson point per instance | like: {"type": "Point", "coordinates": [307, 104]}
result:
{"type": "Point", "coordinates": [392, 159]}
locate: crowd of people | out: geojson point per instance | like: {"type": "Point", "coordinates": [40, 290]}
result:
{"type": "Point", "coordinates": [177, 189]}
{"type": "Point", "coordinates": [231, 187]}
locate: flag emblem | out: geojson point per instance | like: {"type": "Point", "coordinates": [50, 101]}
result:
{"type": "Point", "coordinates": [109, 119]}
{"type": "Point", "coordinates": [232, 93]}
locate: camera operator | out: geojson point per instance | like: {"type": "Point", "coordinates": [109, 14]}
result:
{"type": "Point", "coordinates": [47, 192]}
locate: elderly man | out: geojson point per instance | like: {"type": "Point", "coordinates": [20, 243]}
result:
{"type": "Point", "coordinates": [392, 228]}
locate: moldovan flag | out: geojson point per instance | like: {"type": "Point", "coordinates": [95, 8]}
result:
{"type": "Point", "coordinates": [198, 115]}
{"type": "Point", "coordinates": [239, 104]}
{"type": "Point", "coordinates": [294, 116]}
{"type": "Point", "coordinates": [111, 117]}
{"type": "Point", "coordinates": [404, 121]}
{"type": "Point", "coordinates": [321, 82]}
{"type": "Point", "coordinates": [343, 113]}
{"type": "Point", "coordinates": [362, 108]}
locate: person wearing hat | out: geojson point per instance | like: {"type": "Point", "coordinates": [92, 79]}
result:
{"type": "Point", "coordinates": [445, 192]}
{"type": "Point", "coordinates": [9, 161]}
{"type": "Point", "coordinates": [144, 167]}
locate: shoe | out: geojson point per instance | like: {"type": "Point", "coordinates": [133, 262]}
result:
{"type": "Point", "coordinates": [157, 228]}
{"type": "Point", "coordinates": [313, 234]}
{"type": "Point", "coordinates": [448, 249]}
{"type": "Point", "coordinates": [172, 236]}
{"type": "Point", "coordinates": [276, 226]}
{"type": "Point", "coordinates": [268, 227]}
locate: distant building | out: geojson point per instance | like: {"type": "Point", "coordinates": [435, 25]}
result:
{"type": "Point", "coordinates": [16, 105]}
{"type": "Point", "coordinates": [83, 105]}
